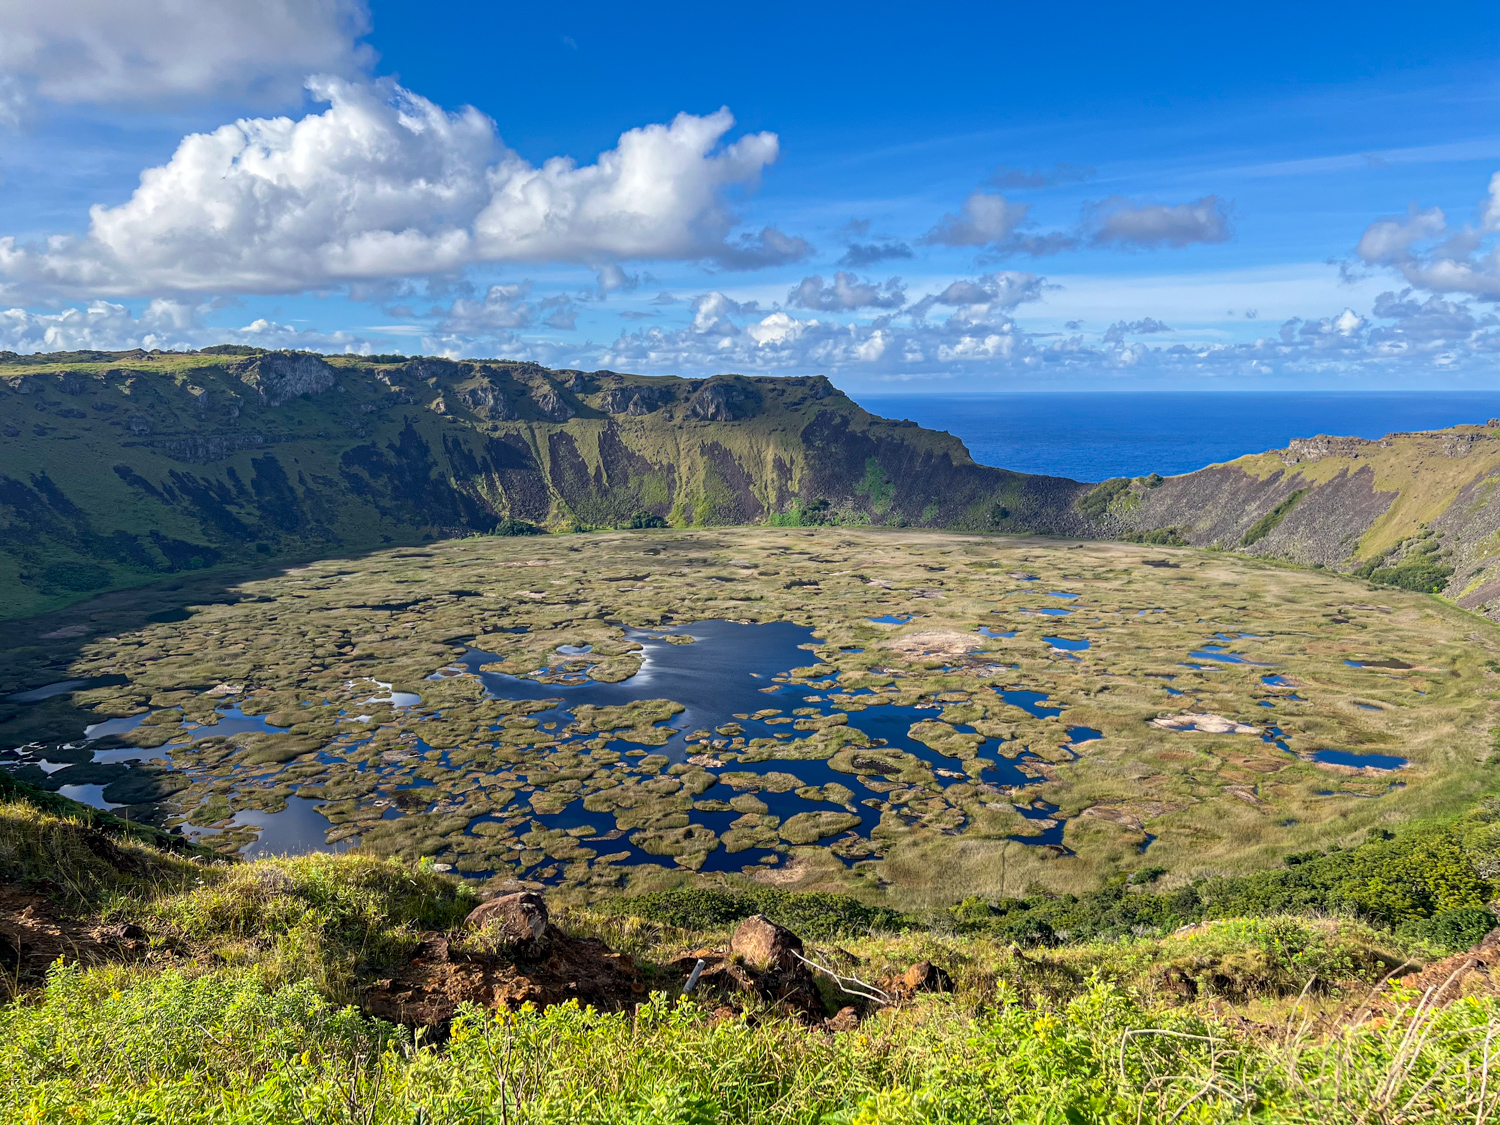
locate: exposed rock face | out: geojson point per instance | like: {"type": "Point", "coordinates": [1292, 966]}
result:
{"type": "Point", "coordinates": [1316, 448]}
{"type": "Point", "coordinates": [280, 376]}
{"type": "Point", "coordinates": [722, 400]}
{"type": "Point", "coordinates": [521, 917]}
{"type": "Point", "coordinates": [200, 450]}
{"type": "Point", "coordinates": [634, 401]}
{"type": "Point", "coordinates": [489, 401]}
{"type": "Point", "coordinates": [550, 403]}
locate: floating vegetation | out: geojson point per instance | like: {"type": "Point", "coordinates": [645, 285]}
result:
{"type": "Point", "coordinates": [813, 705]}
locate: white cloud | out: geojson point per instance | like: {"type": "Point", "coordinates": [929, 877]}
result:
{"type": "Point", "coordinates": [152, 51]}
{"type": "Point", "coordinates": [980, 296]}
{"type": "Point", "coordinates": [612, 278]}
{"type": "Point", "coordinates": [1146, 326]}
{"type": "Point", "coordinates": [386, 184]}
{"type": "Point", "coordinates": [1431, 255]}
{"type": "Point", "coordinates": [1400, 337]}
{"type": "Point", "coordinates": [985, 220]}
{"type": "Point", "coordinates": [503, 307]}
{"type": "Point", "coordinates": [1119, 222]}
{"type": "Point", "coordinates": [164, 324]}
{"type": "Point", "coordinates": [846, 292]}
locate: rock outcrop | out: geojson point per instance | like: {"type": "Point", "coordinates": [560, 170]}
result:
{"type": "Point", "coordinates": [280, 376]}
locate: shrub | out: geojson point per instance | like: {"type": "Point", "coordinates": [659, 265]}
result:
{"type": "Point", "coordinates": [1262, 527]}
{"type": "Point", "coordinates": [1450, 931]}
{"type": "Point", "coordinates": [512, 526]}
{"type": "Point", "coordinates": [1097, 500]}
{"type": "Point", "coordinates": [811, 914]}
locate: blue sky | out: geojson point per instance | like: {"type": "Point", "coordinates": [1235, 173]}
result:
{"type": "Point", "coordinates": [931, 199]}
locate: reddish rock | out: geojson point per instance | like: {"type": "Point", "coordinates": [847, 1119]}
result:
{"type": "Point", "coordinates": [924, 976]}
{"type": "Point", "coordinates": [428, 989]}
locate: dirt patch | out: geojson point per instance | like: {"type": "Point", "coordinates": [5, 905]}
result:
{"type": "Point", "coordinates": [936, 642]}
{"type": "Point", "coordinates": [34, 934]}
{"type": "Point", "coordinates": [785, 874]}
{"type": "Point", "coordinates": [1206, 724]}
{"type": "Point", "coordinates": [1116, 816]}
{"type": "Point", "coordinates": [442, 975]}
{"type": "Point", "coordinates": [1471, 973]}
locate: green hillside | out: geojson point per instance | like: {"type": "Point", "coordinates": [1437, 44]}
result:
{"type": "Point", "coordinates": [1409, 510]}
{"type": "Point", "coordinates": [121, 468]}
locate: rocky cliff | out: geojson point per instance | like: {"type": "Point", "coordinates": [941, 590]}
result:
{"type": "Point", "coordinates": [118, 468]}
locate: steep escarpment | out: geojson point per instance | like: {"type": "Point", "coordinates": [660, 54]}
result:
{"type": "Point", "coordinates": [1415, 510]}
{"type": "Point", "coordinates": [119, 468]}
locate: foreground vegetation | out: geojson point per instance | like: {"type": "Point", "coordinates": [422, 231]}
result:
{"type": "Point", "coordinates": [241, 999]}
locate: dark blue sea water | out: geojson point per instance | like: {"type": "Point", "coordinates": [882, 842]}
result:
{"type": "Point", "coordinates": [1094, 435]}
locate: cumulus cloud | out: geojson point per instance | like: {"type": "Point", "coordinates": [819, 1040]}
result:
{"type": "Point", "coordinates": [979, 296]}
{"type": "Point", "coordinates": [503, 307]}
{"type": "Point", "coordinates": [768, 247]}
{"type": "Point", "coordinates": [614, 279]}
{"type": "Point", "coordinates": [383, 184]}
{"type": "Point", "coordinates": [164, 324]}
{"type": "Point", "coordinates": [862, 254]}
{"type": "Point", "coordinates": [1119, 222]}
{"type": "Point", "coordinates": [1401, 334]}
{"type": "Point", "coordinates": [1431, 255]}
{"type": "Point", "coordinates": [846, 292]}
{"type": "Point", "coordinates": [153, 51]}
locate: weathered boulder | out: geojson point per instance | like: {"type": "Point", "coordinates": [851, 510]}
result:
{"type": "Point", "coordinates": [522, 917]}
{"type": "Point", "coordinates": [766, 946]}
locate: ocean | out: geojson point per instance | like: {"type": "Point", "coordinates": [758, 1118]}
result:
{"type": "Point", "coordinates": [1093, 436]}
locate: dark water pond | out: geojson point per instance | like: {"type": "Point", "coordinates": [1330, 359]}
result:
{"type": "Point", "coordinates": [732, 669]}
{"type": "Point", "coordinates": [1350, 758]}
{"type": "Point", "coordinates": [728, 669]}
{"type": "Point", "coordinates": [295, 830]}
{"type": "Point", "coordinates": [1066, 644]}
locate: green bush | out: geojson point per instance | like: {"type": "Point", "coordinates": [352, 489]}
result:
{"type": "Point", "coordinates": [511, 526]}
{"type": "Point", "coordinates": [810, 914]}
{"type": "Point", "coordinates": [1450, 931]}
{"type": "Point", "coordinates": [1097, 500]}
{"type": "Point", "coordinates": [75, 577]}
{"type": "Point", "coordinates": [1262, 527]}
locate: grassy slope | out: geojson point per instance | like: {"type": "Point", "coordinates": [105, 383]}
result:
{"type": "Point", "coordinates": [234, 1014]}
{"type": "Point", "coordinates": [1426, 471]}
{"type": "Point", "coordinates": [212, 475]}
{"type": "Point", "coordinates": [1410, 486]}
